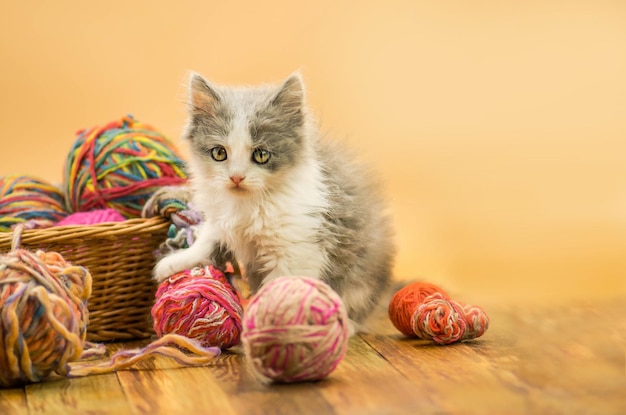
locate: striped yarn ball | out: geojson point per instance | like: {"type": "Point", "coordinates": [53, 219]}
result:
{"type": "Point", "coordinates": [199, 304]}
{"type": "Point", "coordinates": [43, 318]}
{"type": "Point", "coordinates": [295, 329]}
{"type": "Point", "coordinates": [26, 199]}
{"type": "Point", "coordinates": [425, 311]}
{"type": "Point", "coordinates": [119, 166]}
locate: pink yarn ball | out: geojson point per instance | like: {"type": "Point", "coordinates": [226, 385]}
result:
{"type": "Point", "coordinates": [295, 329]}
{"type": "Point", "coordinates": [92, 217]}
{"type": "Point", "coordinates": [199, 304]}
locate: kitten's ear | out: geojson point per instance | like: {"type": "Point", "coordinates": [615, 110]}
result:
{"type": "Point", "coordinates": [290, 96]}
{"type": "Point", "coordinates": [204, 99]}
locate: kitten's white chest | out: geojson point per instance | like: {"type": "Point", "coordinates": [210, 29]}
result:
{"type": "Point", "coordinates": [278, 234]}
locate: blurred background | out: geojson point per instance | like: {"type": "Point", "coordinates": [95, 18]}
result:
{"type": "Point", "coordinates": [499, 127]}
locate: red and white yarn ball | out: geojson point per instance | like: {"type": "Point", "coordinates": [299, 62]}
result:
{"type": "Point", "coordinates": [295, 329]}
{"type": "Point", "coordinates": [199, 304]}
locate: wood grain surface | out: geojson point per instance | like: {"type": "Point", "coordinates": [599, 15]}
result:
{"type": "Point", "coordinates": [550, 359]}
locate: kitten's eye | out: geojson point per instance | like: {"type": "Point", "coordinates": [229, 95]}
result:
{"type": "Point", "coordinates": [218, 153]}
{"type": "Point", "coordinates": [260, 156]}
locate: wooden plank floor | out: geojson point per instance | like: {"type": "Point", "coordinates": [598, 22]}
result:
{"type": "Point", "coordinates": [552, 359]}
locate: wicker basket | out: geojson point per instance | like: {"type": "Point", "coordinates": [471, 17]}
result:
{"type": "Point", "coordinates": [120, 257]}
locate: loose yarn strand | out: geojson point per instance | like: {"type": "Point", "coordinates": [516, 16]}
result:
{"type": "Point", "coordinates": [169, 345]}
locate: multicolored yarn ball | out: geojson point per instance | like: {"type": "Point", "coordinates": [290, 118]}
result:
{"type": "Point", "coordinates": [183, 231]}
{"type": "Point", "coordinates": [426, 311]}
{"type": "Point", "coordinates": [26, 199]}
{"type": "Point", "coordinates": [199, 304]}
{"type": "Point", "coordinates": [43, 323]}
{"type": "Point", "coordinates": [119, 166]}
{"type": "Point", "coordinates": [185, 221]}
{"type": "Point", "coordinates": [92, 217]}
{"type": "Point", "coordinates": [295, 329]}
{"type": "Point", "coordinates": [43, 315]}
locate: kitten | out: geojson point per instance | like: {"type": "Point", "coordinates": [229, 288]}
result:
{"type": "Point", "coordinates": [280, 198]}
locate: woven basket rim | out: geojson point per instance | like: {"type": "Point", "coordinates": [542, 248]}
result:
{"type": "Point", "coordinates": [105, 230]}
{"type": "Point", "coordinates": [119, 256]}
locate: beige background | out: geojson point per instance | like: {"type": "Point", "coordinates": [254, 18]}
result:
{"type": "Point", "coordinates": [500, 127]}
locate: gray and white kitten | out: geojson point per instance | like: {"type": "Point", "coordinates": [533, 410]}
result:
{"type": "Point", "coordinates": [280, 198]}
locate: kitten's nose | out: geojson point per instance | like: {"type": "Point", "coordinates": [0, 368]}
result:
{"type": "Point", "coordinates": [237, 179]}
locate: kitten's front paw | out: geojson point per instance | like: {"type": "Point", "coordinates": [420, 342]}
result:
{"type": "Point", "coordinates": [166, 267]}
{"type": "Point", "coordinates": [352, 328]}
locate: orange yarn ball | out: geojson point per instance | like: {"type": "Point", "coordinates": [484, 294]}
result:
{"type": "Point", "coordinates": [405, 302]}
{"type": "Point", "coordinates": [425, 311]}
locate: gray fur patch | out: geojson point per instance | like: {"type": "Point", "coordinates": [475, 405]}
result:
{"type": "Point", "coordinates": [357, 232]}
{"type": "Point", "coordinates": [278, 126]}
{"type": "Point", "coordinates": [210, 119]}
{"type": "Point", "coordinates": [205, 131]}
{"type": "Point", "coordinates": [281, 137]}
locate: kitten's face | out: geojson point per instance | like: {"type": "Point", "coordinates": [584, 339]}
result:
{"type": "Point", "coordinates": [245, 140]}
